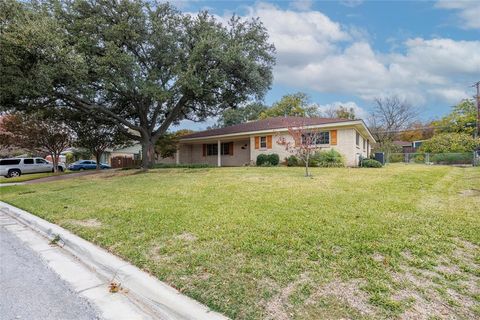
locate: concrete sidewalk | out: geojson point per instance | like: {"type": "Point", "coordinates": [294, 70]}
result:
{"type": "Point", "coordinates": [89, 270]}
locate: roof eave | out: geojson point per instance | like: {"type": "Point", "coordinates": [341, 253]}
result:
{"type": "Point", "coordinates": [325, 125]}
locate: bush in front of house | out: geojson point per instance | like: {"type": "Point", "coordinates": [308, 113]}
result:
{"type": "Point", "coordinates": [274, 159]}
{"type": "Point", "coordinates": [370, 163]}
{"type": "Point", "coordinates": [293, 161]}
{"type": "Point", "coordinates": [261, 159]}
{"type": "Point", "coordinates": [182, 166]}
{"type": "Point", "coordinates": [327, 159]}
{"type": "Point", "coordinates": [266, 160]}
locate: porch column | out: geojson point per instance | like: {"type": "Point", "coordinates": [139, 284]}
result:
{"type": "Point", "coordinates": [219, 154]}
{"type": "Point", "coordinates": [177, 155]}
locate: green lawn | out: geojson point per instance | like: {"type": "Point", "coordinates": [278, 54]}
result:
{"type": "Point", "coordinates": [28, 177]}
{"type": "Point", "coordinates": [253, 243]}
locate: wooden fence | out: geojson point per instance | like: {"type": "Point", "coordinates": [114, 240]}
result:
{"type": "Point", "coordinates": [125, 162]}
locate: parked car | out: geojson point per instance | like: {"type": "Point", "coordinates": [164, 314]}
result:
{"type": "Point", "coordinates": [86, 165]}
{"type": "Point", "coordinates": [15, 167]}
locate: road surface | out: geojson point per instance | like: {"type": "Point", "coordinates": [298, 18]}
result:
{"type": "Point", "coordinates": [30, 290]}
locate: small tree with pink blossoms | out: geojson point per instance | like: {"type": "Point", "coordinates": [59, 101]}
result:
{"type": "Point", "coordinates": [304, 144]}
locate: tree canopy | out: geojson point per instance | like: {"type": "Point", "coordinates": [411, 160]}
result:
{"type": "Point", "coordinates": [450, 142]}
{"type": "Point", "coordinates": [462, 119]}
{"type": "Point", "coordinates": [296, 104]}
{"type": "Point", "coordinates": [142, 65]}
{"type": "Point", "coordinates": [234, 116]}
{"type": "Point", "coordinates": [389, 116]}
{"type": "Point", "coordinates": [95, 135]}
{"type": "Point", "coordinates": [339, 112]}
{"type": "Point", "coordinates": [417, 131]}
{"type": "Point", "coordinates": [39, 132]}
{"type": "Point", "coordinates": [167, 144]}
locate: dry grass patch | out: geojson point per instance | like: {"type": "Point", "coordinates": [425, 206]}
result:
{"type": "Point", "coordinates": [88, 223]}
{"type": "Point", "coordinates": [470, 193]}
{"type": "Point", "coordinates": [443, 292]}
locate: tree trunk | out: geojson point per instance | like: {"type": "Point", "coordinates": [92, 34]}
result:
{"type": "Point", "coordinates": [54, 162]}
{"type": "Point", "coordinates": [148, 153]}
{"type": "Point", "coordinates": [307, 174]}
{"type": "Point", "coordinates": [98, 155]}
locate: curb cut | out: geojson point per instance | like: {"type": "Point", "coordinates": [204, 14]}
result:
{"type": "Point", "coordinates": [155, 297]}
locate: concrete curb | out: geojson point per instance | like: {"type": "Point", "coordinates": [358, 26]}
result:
{"type": "Point", "coordinates": [155, 297]}
{"type": "Point", "coordinates": [8, 184]}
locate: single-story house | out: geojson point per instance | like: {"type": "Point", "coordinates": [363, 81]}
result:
{"type": "Point", "coordinates": [405, 145]}
{"type": "Point", "coordinates": [133, 152]}
{"type": "Point", "coordinates": [239, 145]}
{"type": "Point", "coordinates": [409, 147]}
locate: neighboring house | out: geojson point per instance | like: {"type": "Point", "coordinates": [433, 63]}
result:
{"type": "Point", "coordinates": [240, 144]}
{"type": "Point", "coordinates": [134, 152]}
{"type": "Point", "coordinates": [417, 144]}
{"type": "Point", "coordinates": [405, 145]}
{"type": "Point", "coordinates": [409, 147]}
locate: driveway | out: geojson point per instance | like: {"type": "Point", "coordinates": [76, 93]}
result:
{"type": "Point", "coordinates": [30, 290]}
{"type": "Point", "coordinates": [65, 176]}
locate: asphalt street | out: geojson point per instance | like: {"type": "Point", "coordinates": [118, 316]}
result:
{"type": "Point", "coordinates": [30, 290]}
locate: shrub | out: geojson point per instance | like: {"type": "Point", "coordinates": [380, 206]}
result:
{"type": "Point", "coordinates": [69, 158]}
{"type": "Point", "coordinates": [450, 142]}
{"type": "Point", "coordinates": [293, 161]}
{"type": "Point", "coordinates": [261, 159]}
{"type": "Point", "coordinates": [371, 163]}
{"type": "Point", "coordinates": [452, 158]}
{"type": "Point", "coordinates": [330, 158]}
{"type": "Point", "coordinates": [419, 158]}
{"type": "Point", "coordinates": [187, 166]}
{"type": "Point", "coordinates": [396, 157]}
{"type": "Point", "coordinates": [272, 159]}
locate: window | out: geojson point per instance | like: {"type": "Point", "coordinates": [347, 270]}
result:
{"type": "Point", "coordinates": [263, 142]}
{"type": "Point", "coordinates": [27, 161]}
{"type": "Point", "coordinates": [322, 137]}
{"type": "Point", "coordinates": [364, 144]}
{"type": "Point", "coordinates": [9, 162]}
{"type": "Point", "coordinates": [225, 148]}
{"type": "Point", "coordinates": [38, 161]}
{"type": "Point", "coordinates": [212, 149]}
{"type": "Point", "coordinates": [357, 139]}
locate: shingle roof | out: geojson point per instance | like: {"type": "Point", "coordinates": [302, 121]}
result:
{"type": "Point", "coordinates": [265, 124]}
{"type": "Point", "coordinates": [402, 143]}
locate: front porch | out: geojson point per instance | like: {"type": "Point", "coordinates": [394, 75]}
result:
{"type": "Point", "coordinates": [215, 152]}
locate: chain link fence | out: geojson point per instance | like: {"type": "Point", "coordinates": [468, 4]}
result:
{"type": "Point", "coordinates": [467, 158]}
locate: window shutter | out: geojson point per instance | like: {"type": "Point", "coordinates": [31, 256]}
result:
{"type": "Point", "coordinates": [230, 149]}
{"type": "Point", "coordinates": [257, 142]}
{"type": "Point", "coordinates": [269, 142]}
{"type": "Point", "coordinates": [204, 150]}
{"type": "Point", "coordinates": [333, 137]}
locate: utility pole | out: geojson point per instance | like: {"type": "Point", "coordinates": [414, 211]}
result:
{"type": "Point", "coordinates": [477, 85]}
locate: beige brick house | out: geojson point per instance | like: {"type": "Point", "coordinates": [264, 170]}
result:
{"type": "Point", "coordinates": [240, 144]}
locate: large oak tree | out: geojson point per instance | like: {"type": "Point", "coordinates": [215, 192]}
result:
{"type": "Point", "coordinates": [142, 65]}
